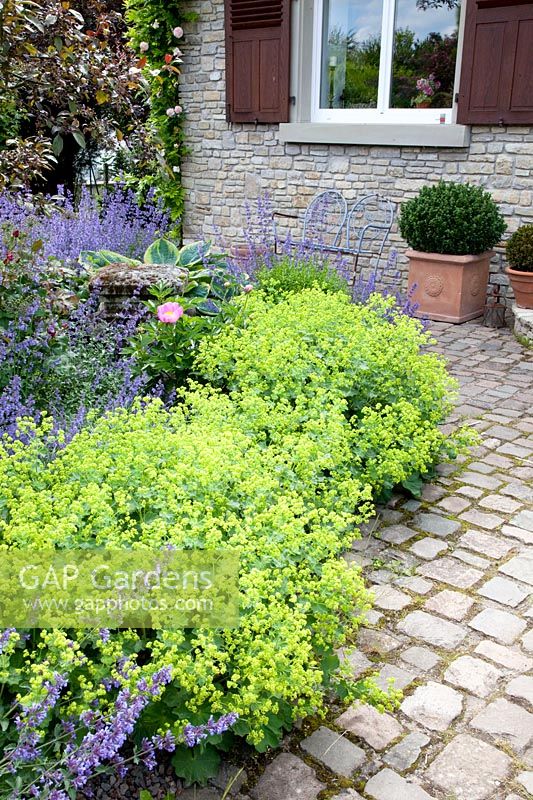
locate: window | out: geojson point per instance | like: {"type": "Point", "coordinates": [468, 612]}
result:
{"type": "Point", "coordinates": [389, 61]}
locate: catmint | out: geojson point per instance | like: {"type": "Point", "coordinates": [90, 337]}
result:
{"type": "Point", "coordinates": [194, 734]}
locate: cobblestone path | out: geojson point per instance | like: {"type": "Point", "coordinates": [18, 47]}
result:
{"type": "Point", "coordinates": [452, 622]}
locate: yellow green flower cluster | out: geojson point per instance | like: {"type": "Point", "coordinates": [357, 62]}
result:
{"type": "Point", "coordinates": [316, 406]}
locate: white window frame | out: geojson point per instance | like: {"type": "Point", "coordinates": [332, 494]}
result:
{"type": "Point", "coordinates": [382, 114]}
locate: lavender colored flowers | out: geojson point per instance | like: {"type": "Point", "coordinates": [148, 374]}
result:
{"type": "Point", "coordinates": [115, 222]}
{"type": "Point", "coordinates": [30, 718]}
{"type": "Point", "coordinates": [6, 637]}
{"type": "Point", "coordinates": [165, 742]}
{"type": "Point", "coordinates": [194, 734]}
{"type": "Point", "coordinates": [33, 716]}
{"type": "Point", "coordinates": [67, 368]}
{"type": "Point", "coordinates": [99, 746]}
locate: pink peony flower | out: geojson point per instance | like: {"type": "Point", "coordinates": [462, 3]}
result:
{"type": "Point", "coordinates": [171, 112]}
{"type": "Point", "coordinates": [178, 32]}
{"type": "Point", "coordinates": [169, 312]}
{"type": "Point", "coordinates": [143, 47]}
{"type": "Point", "coordinates": [178, 109]}
{"type": "Point", "coordinates": [248, 288]}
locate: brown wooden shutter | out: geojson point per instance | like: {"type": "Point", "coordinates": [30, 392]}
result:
{"type": "Point", "coordinates": [257, 60]}
{"type": "Point", "coordinates": [497, 66]}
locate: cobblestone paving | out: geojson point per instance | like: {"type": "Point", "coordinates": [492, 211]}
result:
{"type": "Point", "coordinates": [452, 622]}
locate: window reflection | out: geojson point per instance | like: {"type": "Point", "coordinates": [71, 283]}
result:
{"type": "Point", "coordinates": [351, 53]}
{"type": "Point", "coordinates": [425, 52]}
{"type": "Point", "coordinates": [420, 59]}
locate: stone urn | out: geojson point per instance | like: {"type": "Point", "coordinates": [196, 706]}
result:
{"type": "Point", "coordinates": [522, 285]}
{"type": "Point", "coordinates": [119, 283]}
{"type": "Point", "coordinates": [449, 288]}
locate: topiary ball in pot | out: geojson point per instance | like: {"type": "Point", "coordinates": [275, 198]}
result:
{"type": "Point", "coordinates": [451, 228]}
{"type": "Point", "coordinates": [452, 218]}
{"type": "Point", "coordinates": [520, 249]}
{"type": "Point", "coordinates": [520, 269]}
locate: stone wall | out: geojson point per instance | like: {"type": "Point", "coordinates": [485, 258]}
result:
{"type": "Point", "coordinates": [231, 163]}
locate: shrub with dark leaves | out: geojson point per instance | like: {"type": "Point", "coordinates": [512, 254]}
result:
{"type": "Point", "coordinates": [452, 218]}
{"type": "Point", "coordinates": [520, 249]}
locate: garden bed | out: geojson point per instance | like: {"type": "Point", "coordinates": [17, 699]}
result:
{"type": "Point", "coordinates": [277, 418]}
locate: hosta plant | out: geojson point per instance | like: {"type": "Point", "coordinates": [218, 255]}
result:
{"type": "Point", "coordinates": [205, 273]}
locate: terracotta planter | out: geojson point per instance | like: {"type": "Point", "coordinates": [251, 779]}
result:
{"type": "Point", "coordinates": [449, 288]}
{"type": "Point", "coordinates": [522, 283]}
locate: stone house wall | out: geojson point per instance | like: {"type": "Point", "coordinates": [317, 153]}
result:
{"type": "Point", "coordinates": [229, 163]}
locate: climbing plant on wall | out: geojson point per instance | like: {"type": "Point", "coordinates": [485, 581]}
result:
{"type": "Point", "coordinates": [156, 33]}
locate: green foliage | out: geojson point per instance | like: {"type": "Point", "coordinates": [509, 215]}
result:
{"type": "Point", "coordinates": [452, 218]}
{"type": "Point", "coordinates": [59, 79]}
{"type": "Point", "coordinates": [204, 274]}
{"type": "Point", "coordinates": [165, 352]}
{"type": "Point", "coordinates": [322, 406]}
{"type": "Point", "coordinates": [161, 251]}
{"type": "Point", "coordinates": [197, 765]}
{"type": "Point", "coordinates": [201, 475]}
{"type": "Point", "coordinates": [152, 24]}
{"type": "Point", "coordinates": [101, 258]}
{"type": "Point", "coordinates": [520, 249]}
{"type": "Point", "coordinates": [289, 275]}
{"type": "Point", "coordinates": [312, 341]}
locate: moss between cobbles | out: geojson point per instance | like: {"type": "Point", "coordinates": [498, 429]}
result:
{"type": "Point", "coordinates": [524, 341]}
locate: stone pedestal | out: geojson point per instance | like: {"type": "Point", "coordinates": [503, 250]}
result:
{"type": "Point", "coordinates": [119, 283]}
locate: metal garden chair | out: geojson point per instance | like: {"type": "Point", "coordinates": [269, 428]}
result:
{"type": "Point", "coordinates": [368, 225]}
{"type": "Point", "coordinates": [329, 226]}
{"type": "Point", "coordinates": [324, 223]}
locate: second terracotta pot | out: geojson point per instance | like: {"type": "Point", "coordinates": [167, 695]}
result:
{"type": "Point", "coordinates": [522, 283]}
{"type": "Point", "coordinates": [449, 288]}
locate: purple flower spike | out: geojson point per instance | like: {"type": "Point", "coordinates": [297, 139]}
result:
{"type": "Point", "coordinates": [194, 734]}
{"type": "Point", "coordinates": [5, 636]}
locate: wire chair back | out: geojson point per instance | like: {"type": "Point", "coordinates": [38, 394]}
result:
{"type": "Point", "coordinates": [325, 219]}
{"type": "Point", "coordinates": [368, 225]}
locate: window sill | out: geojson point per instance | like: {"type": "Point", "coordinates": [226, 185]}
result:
{"type": "Point", "coordinates": [375, 134]}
